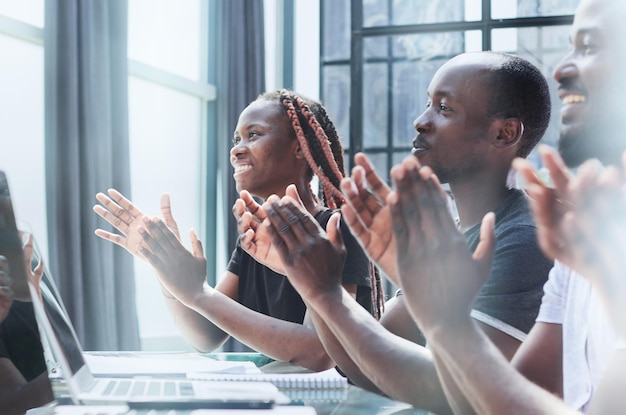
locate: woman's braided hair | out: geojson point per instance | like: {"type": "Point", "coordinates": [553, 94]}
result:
{"type": "Point", "coordinates": [323, 152]}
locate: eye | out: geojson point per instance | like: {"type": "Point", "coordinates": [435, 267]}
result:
{"type": "Point", "coordinates": [236, 140]}
{"type": "Point", "coordinates": [253, 134]}
{"type": "Point", "coordinates": [428, 103]}
{"type": "Point", "coordinates": [589, 48]}
{"type": "Point", "coordinates": [443, 107]}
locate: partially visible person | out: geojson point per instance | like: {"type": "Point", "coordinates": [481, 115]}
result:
{"type": "Point", "coordinates": [280, 139]}
{"type": "Point", "coordinates": [469, 133]}
{"type": "Point", "coordinates": [573, 345]}
{"type": "Point", "coordinates": [24, 382]}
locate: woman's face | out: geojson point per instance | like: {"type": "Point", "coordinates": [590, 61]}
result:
{"type": "Point", "coordinates": [265, 152]}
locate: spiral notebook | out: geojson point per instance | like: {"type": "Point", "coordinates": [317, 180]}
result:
{"type": "Point", "coordinates": [327, 379]}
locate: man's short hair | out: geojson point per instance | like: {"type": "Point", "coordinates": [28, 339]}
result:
{"type": "Point", "coordinates": [521, 91]}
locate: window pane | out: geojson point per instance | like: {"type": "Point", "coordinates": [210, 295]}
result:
{"type": "Point", "coordinates": [429, 46]}
{"type": "Point", "coordinates": [509, 9]}
{"type": "Point", "coordinates": [337, 98]}
{"type": "Point", "coordinates": [375, 13]}
{"type": "Point", "coordinates": [27, 11]}
{"type": "Point", "coordinates": [544, 47]}
{"type": "Point", "coordinates": [380, 164]}
{"type": "Point", "coordinates": [336, 30]}
{"type": "Point", "coordinates": [166, 34]}
{"type": "Point", "coordinates": [410, 84]}
{"type": "Point", "coordinates": [375, 105]}
{"type": "Point", "coordinates": [427, 11]}
{"type": "Point", "coordinates": [165, 151]}
{"type": "Point", "coordinates": [22, 132]}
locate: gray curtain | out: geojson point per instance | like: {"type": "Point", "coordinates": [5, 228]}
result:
{"type": "Point", "coordinates": [87, 151]}
{"type": "Point", "coordinates": [241, 78]}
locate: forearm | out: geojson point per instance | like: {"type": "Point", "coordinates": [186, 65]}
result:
{"type": "Point", "coordinates": [278, 339]}
{"type": "Point", "coordinates": [401, 369]}
{"type": "Point", "coordinates": [339, 355]}
{"type": "Point", "coordinates": [485, 377]}
{"type": "Point", "coordinates": [199, 331]}
{"type": "Point", "coordinates": [17, 400]}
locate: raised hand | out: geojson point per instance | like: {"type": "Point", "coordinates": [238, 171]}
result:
{"type": "Point", "coordinates": [182, 273]}
{"type": "Point", "coordinates": [126, 218]}
{"type": "Point", "coordinates": [550, 205]}
{"type": "Point", "coordinates": [439, 275]}
{"type": "Point", "coordinates": [6, 294]}
{"type": "Point", "coordinates": [313, 259]}
{"type": "Point", "coordinates": [367, 214]}
{"type": "Point", "coordinates": [594, 232]}
{"type": "Point", "coordinates": [255, 239]}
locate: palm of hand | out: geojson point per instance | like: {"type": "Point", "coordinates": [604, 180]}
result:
{"type": "Point", "coordinates": [381, 244]}
{"type": "Point", "coordinates": [261, 248]}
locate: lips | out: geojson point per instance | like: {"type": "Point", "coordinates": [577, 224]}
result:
{"type": "Point", "coordinates": [419, 147]}
{"type": "Point", "coordinates": [241, 168]}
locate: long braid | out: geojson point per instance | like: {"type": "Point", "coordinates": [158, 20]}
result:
{"type": "Point", "coordinates": [323, 152]}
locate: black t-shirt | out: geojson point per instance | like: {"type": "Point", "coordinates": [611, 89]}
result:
{"type": "Point", "coordinates": [20, 342]}
{"type": "Point", "coordinates": [270, 293]}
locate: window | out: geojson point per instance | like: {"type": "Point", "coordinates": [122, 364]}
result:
{"type": "Point", "coordinates": [169, 98]}
{"type": "Point", "coordinates": [378, 57]}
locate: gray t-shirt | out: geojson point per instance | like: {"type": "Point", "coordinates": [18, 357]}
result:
{"type": "Point", "coordinates": [510, 299]}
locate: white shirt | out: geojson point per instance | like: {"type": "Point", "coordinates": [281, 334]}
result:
{"type": "Point", "coordinates": [589, 340]}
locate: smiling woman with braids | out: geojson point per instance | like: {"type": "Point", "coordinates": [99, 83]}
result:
{"type": "Point", "coordinates": [281, 140]}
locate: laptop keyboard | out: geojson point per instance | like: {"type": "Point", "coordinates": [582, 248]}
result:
{"type": "Point", "coordinates": [140, 388]}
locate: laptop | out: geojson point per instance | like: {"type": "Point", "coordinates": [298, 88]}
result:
{"type": "Point", "coordinates": [82, 387]}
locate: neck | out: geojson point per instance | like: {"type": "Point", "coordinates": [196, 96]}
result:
{"type": "Point", "coordinates": [309, 202]}
{"type": "Point", "coordinates": [479, 195]}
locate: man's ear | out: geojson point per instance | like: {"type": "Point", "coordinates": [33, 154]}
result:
{"type": "Point", "coordinates": [511, 132]}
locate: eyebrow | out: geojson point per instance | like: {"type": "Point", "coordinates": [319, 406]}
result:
{"type": "Point", "coordinates": [583, 32]}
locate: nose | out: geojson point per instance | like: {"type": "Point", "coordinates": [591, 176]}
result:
{"type": "Point", "coordinates": [237, 151]}
{"type": "Point", "coordinates": [566, 69]}
{"type": "Point", "coordinates": [422, 124]}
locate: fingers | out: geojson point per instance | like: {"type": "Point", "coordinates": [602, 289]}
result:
{"type": "Point", "coordinates": [115, 238]}
{"type": "Point", "coordinates": [114, 214]}
{"type": "Point", "coordinates": [159, 231]}
{"type": "Point", "coordinates": [333, 230]}
{"type": "Point", "coordinates": [166, 212]}
{"type": "Point", "coordinates": [290, 224]}
{"type": "Point", "coordinates": [292, 192]}
{"type": "Point", "coordinates": [251, 205]}
{"type": "Point", "coordinates": [378, 186]}
{"type": "Point", "coordinates": [126, 204]}
{"type": "Point", "coordinates": [196, 244]}
{"type": "Point", "coordinates": [558, 170]}
{"type": "Point", "coordinates": [487, 244]}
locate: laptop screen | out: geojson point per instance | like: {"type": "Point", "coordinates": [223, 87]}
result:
{"type": "Point", "coordinates": [59, 321]}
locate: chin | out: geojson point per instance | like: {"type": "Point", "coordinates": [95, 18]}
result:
{"type": "Point", "coordinates": [576, 145]}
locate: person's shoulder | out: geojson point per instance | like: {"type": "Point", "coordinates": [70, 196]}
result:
{"type": "Point", "coordinates": [515, 213]}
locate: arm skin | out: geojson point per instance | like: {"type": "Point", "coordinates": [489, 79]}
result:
{"type": "Point", "coordinates": [17, 395]}
{"type": "Point", "coordinates": [205, 315]}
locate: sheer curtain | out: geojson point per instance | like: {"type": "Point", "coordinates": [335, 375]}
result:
{"type": "Point", "coordinates": [241, 78]}
{"type": "Point", "coordinates": [87, 151]}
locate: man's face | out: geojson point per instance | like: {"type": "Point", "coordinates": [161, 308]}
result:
{"type": "Point", "coordinates": [453, 131]}
{"type": "Point", "coordinates": [592, 85]}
